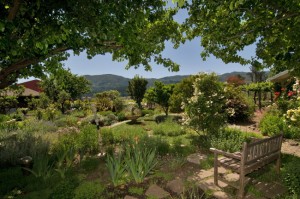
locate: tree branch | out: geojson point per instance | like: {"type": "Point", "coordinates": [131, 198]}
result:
{"type": "Point", "coordinates": [13, 10]}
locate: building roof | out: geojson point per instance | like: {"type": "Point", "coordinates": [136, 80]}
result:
{"type": "Point", "coordinates": [33, 85]}
{"type": "Point", "coordinates": [27, 92]}
{"type": "Point", "coordinates": [282, 76]}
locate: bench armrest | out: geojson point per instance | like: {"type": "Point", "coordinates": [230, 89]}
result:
{"type": "Point", "coordinates": [226, 154]}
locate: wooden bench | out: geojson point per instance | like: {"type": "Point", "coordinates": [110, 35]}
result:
{"type": "Point", "coordinates": [254, 155]}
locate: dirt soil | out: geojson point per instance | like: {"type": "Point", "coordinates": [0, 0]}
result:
{"type": "Point", "coordinates": [288, 146]}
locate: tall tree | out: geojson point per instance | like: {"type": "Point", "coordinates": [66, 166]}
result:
{"type": "Point", "coordinates": [137, 88]}
{"type": "Point", "coordinates": [36, 34]}
{"type": "Point", "coordinates": [227, 27]}
{"type": "Point", "coordinates": [160, 94]}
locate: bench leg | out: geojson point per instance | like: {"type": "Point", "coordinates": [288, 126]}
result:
{"type": "Point", "coordinates": [216, 169]}
{"type": "Point", "coordinates": [278, 164]}
{"type": "Point", "coordinates": [242, 186]}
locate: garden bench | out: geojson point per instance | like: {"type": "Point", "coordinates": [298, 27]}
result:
{"type": "Point", "coordinates": [253, 156]}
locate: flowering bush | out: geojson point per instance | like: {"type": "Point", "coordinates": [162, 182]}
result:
{"type": "Point", "coordinates": [204, 110]}
{"type": "Point", "coordinates": [238, 106]}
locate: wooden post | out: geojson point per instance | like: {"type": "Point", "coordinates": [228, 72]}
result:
{"type": "Point", "coordinates": [216, 169]}
{"type": "Point", "coordinates": [242, 171]}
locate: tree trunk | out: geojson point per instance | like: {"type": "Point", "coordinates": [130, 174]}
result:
{"type": "Point", "coordinates": [259, 100]}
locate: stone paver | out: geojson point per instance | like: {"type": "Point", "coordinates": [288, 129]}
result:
{"type": "Point", "coordinates": [221, 170]}
{"type": "Point", "coordinates": [221, 195]}
{"type": "Point", "coordinates": [270, 190]}
{"type": "Point", "coordinates": [157, 192]}
{"type": "Point", "coordinates": [208, 184]}
{"type": "Point", "coordinates": [130, 197]}
{"type": "Point", "coordinates": [196, 158]}
{"type": "Point", "coordinates": [176, 186]}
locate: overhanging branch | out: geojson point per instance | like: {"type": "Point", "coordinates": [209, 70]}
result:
{"type": "Point", "coordinates": [13, 10]}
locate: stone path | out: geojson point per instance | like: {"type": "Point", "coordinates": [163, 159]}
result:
{"type": "Point", "coordinates": [205, 181]}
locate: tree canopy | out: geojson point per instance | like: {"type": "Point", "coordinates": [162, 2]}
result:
{"type": "Point", "coordinates": [227, 27]}
{"type": "Point", "coordinates": [36, 34]}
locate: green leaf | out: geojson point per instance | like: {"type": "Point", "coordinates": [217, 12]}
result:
{"type": "Point", "coordinates": [39, 45]}
{"type": "Point", "coordinates": [231, 5]}
{"type": "Point", "coordinates": [6, 6]}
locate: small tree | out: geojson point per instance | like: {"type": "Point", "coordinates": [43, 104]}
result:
{"type": "Point", "coordinates": [236, 80]}
{"type": "Point", "coordinates": [160, 94]}
{"type": "Point", "coordinates": [204, 110]}
{"type": "Point", "coordinates": [61, 80]}
{"type": "Point", "coordinates": [137, 89]}
{"type": "Point", "coordinates": [63, 96]}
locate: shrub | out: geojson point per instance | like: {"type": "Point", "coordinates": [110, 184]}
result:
{"type": "Point", "coordinates": [122, 133]}
{"type": "Point", "coordinates": [8, 126]}
{"type": "Point", "coordinates": [168, 128]}
{"type": "Point", "coordinates": [272, 124]}
{"type": "Point", "coordinates": [238, 106]}
{"type": "Point", "coordinates": [89, 190]}
{"type": "Point", "coordinates": [66, 120]}
{"type": "Point", "coordinates": [65, 189]}
{"type": "Point", "coordinates": [4, 118]}
{"type": "Point", "coordinates": [121, 116]}
{"type": "Point", "coordinates": [161, 145]}
{"type": "Point", "coordinates": [41, 126]}
{"type": "Point", "coordinates": [291, 174]}
{"type": "Point", "coordinates": [147, 112]}
{"type": "Point", "coordinates": [107, 136]}
{"type": "Point", "coordinates": [15, 146]}
{"type": "Point", "coordinates": [88, 139]}
{"type": "Point", "coordinates": [230, 139]}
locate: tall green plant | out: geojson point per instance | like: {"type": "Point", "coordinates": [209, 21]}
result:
{"type": "Point", "coordinates": [140, 161]}
{"type": "Point", "coordinates": [116, 168]}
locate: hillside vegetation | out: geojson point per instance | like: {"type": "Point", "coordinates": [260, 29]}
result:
{"type": "Point", "coordinates": [106, 82]}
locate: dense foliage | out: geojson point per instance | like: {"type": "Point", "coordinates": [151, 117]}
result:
{"type": "Point", "coordinates": [228, 27]}
{"type": "Point", "coordinates": [36, 35]}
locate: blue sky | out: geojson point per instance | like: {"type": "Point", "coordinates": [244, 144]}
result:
{"type": "Point", "coordinates": [187, 55]}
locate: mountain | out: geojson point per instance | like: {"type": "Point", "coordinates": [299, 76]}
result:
{"type": "Point", "coordinates": [106, 82]}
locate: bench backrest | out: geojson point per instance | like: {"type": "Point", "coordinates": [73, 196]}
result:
{"type": "Point", "coordinates": [262, 148]}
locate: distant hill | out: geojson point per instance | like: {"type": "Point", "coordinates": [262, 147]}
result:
{"type": "Point", "coordinates": [106, 82]}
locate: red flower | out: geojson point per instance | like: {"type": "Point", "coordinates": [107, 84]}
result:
{"type": "Point", "coordinates": [277, 93]}
{"type": "Point", "coordinates": [290, 93]}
